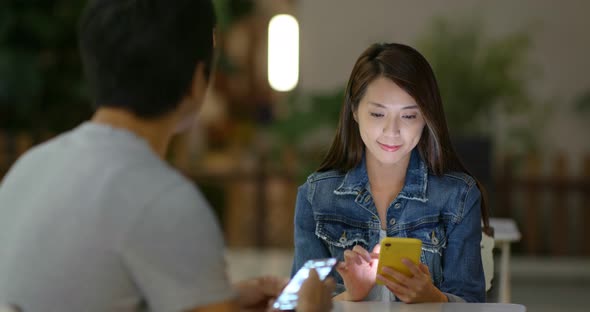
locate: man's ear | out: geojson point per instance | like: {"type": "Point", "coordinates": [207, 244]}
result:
{"type": "Point", "coordinates": [199, 83]}
{"type": "Point", "coordinates": [193, 100]}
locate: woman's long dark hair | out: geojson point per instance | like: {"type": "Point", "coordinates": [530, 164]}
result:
{"type": "Point", "coordinates": [407, 68]}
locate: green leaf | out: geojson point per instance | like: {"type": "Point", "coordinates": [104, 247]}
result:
{"type": "Point", "coordinates": [582, 102]}
{"type": "Point", "coordinates": [477, 74]}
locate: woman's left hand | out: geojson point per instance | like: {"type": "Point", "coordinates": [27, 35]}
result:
{"type": "Point", "coordinates": [414, 289]}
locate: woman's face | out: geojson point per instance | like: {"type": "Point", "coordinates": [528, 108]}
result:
{"type": "Point", "coordinates": [390, 123]}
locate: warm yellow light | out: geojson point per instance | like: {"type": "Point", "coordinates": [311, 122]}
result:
{"type": "Point", "coordinates": [283, 52]}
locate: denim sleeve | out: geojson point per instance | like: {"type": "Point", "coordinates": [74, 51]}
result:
{"type": "Point", "coordinates": [307, 244]}
{"type": "Point", "coordinates": [463, 277]}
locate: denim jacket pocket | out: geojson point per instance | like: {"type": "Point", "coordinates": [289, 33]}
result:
{"type": "Point", "coordinates": [341, 233]}
{"type": "Point", "coordinates": [434, 241]}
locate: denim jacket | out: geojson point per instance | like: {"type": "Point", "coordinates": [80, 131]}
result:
{"type": "Point", "coordinates": [335, 211]}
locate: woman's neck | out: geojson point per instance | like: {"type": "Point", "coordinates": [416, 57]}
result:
{"type": "Point", "coordinates": [386, 177]}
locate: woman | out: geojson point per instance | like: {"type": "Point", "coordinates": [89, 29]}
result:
{"type": "Point", "coordinates": [392, 171]}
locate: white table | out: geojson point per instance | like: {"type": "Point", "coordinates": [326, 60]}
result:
{"type": "Point", "coordinates": [377, 306]}
{"type": "Point", "coordinates": [505, 233]}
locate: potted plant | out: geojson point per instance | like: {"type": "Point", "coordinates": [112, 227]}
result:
{"type": "Point", "coordinates": [303, 130]}
{"type": "Point", "coordinates": [481, 80]}
{"type": "Point", "coordinates": [41, 84]}
{"type": "Point", "coordinates": [41, 87]}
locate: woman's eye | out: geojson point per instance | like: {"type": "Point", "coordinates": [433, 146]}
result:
{"type": "Point", "coordinates": [409, 116]}
{"type": "Point", "coordinates": [377, 115]}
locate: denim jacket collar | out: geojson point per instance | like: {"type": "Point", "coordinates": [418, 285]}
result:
{"type": "Point", "coordinates": [357, 179]}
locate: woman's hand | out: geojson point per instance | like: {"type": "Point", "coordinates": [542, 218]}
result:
{"type": "Point", "coordinates": [414, 289]}
{"type": "Point", "coordinates": [358, 272]}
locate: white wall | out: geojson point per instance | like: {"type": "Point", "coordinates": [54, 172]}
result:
{"type": "Point", "coordinates": [335, 32]}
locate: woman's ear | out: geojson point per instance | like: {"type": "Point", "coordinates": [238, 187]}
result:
{"type": "Point", "coordinates": [355, 117]}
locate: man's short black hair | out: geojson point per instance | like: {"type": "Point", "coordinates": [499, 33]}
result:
{"type": "Point", "coordinates": [141, 55]}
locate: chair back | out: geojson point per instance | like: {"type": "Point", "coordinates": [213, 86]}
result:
{"type": "Point", "coordinates": [487, 258]}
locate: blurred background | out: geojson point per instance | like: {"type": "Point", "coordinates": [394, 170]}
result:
{"type": "Point", "coordinates": [513, 76]}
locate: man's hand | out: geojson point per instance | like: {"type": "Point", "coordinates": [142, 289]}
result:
{"type": "Point", "coordinates": [254, 294]}
{"type": "Point", "coordinates": [315, 295]}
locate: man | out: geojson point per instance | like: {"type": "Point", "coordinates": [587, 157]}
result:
{"type": "Point", "coordinates": [95, 220]}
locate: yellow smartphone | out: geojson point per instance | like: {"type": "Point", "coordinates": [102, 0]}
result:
{"type": "Point", "coordinates": [393, 249]}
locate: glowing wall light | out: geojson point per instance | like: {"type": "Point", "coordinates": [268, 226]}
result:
{"type": "Point", "coordinates": [283, 52]}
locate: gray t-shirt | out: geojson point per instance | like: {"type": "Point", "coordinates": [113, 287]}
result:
{"type": "Point", "coordinates": [94, 220]}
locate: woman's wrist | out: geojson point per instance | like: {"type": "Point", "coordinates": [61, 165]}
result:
{"type": "Point", "coordinates": [442, 297]}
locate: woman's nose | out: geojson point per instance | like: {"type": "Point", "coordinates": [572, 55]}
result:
{"type": "Point", "coordinates": [392, 126]}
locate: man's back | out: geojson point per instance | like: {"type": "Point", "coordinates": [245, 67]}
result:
{"type": "Point", "coordinates": [95, 221]}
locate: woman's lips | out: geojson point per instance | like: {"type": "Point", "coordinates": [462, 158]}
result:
{"type": "Point", "coordinates": [389, 148]}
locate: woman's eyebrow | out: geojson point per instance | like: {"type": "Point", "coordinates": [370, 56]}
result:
{"type": "Point", "coordinates": [383, 106]}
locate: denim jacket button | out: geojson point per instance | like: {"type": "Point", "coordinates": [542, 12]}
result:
{"type": "Point", "coordinates": [342, 239]}
{"type": "Point", "coordinates": [397, 205]}
{"type": "Point", "coordinates": [434, 239]}
{"type": "Point", "coordinates": [392, 221]}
